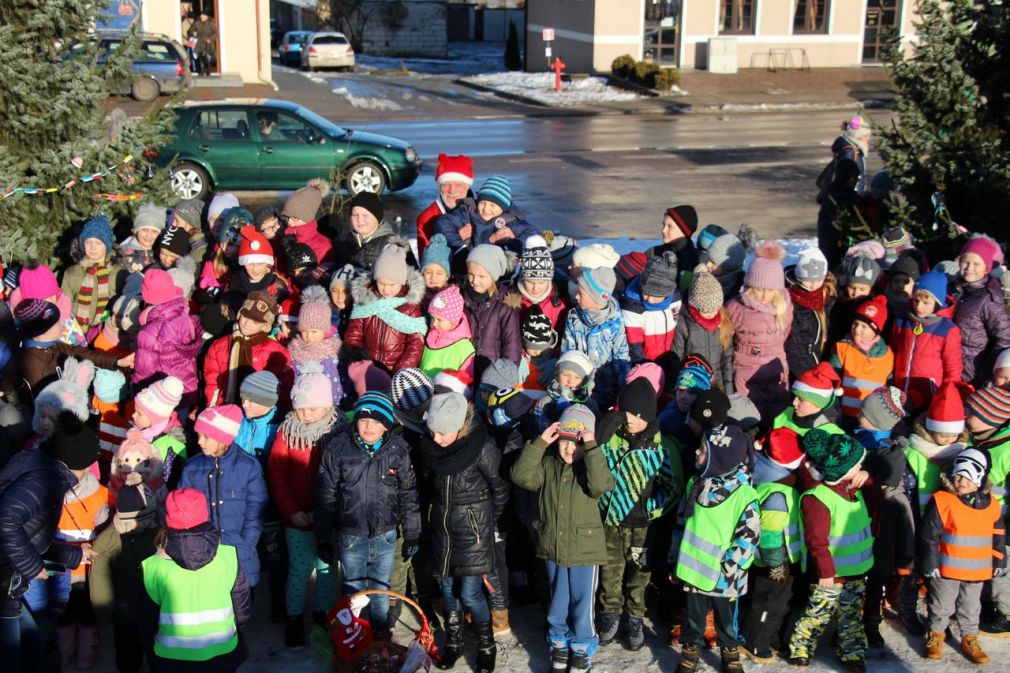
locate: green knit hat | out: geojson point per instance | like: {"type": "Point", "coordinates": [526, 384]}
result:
{"type": "Point", "coordinates": [834, 456]}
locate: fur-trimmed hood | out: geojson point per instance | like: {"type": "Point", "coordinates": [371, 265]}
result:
{"type": "Point", "coordinates": [363, 289]}
{"type": "Point", "coordinates": [947, 483]}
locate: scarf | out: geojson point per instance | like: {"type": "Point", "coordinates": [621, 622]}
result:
{"type": "Point", "coordinates": [752, 303]}
{"type": "Point", "coordinates": [327, 349]}
{"type": "Point", "coordinates": [934, 452]}
{"type": "Point", "coordinates": [598, 316]}
{"type": "Point", "coordinates": [370, 449]}
{"type": "Point", "coordinates": [474, 296]}
{"type": "Point", "coordinates": [436, 338]}
{"type": "Point", "coordinates": [94, 290]}
{"type": "Point", "coordinates": [809, 299]}
{"type": "Point", "coordinates": [242, 283]}
{"type": "Point", "coordinates": [456, 457]}
{"type": "Point", "coordinates": [385, 309]}
{"type": "Point", "coordinates": [241, 358]}
{"type": "Point", "coordinates": [304, 436]}
{"type": "Point", "coordinates": [707, 324]}
{"type": "Point", "coordinates": [535, 299]}
{"type": "Point", "coordinates": [865, 346]}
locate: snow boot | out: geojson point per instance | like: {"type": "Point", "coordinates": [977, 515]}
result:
{"type": "Point", "coordinates": [294, 633]}
{"type": "Point", "coordinates": [934, 645]}
{"type": "Point", "coordinates": [579, 661]}
{"type": "Point", "coordinates": [689, 656]}
{"type": "Point", "coordinates": [500, 622]}
{"type": "Point", "coordinates": [731, 660]}
{"type": "Point", "coordinates": [607, 625]}
{"type": "Point", "coordinates": [974, 651]}
{"type": "Point", "coordinates": [559, 659]}
{"type": "Point", "coordinates": [634, 634]}
{"type": "Point", "coordinates": [487, 650]}
{"type": "Point", "coordinates": [453, 649]}
{"type": "Point", "coordinates": [87, 647]}
{"type": "Point", "coordinates": [66, 641]}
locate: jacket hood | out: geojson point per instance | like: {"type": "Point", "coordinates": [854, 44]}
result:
{"type": "Point", "coordinates": [363, 291]}
{"type": "Point", "coordinates": [170, 309]}
{"type": "Point", "coordinates": [194, 548]}
{"type": "Point", "coordinates": [947, 483]}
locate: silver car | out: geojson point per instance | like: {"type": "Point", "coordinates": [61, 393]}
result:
{"type": "Point", "coordinates": [327, 50]}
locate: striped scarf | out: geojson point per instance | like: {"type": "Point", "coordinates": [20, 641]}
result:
{"type": "Point", "coordinates": [94, 291]}
{"type": "Point", "coordinates": [633, 469]}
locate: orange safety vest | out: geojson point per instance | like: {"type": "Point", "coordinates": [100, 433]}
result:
{"type": "Point", "coordinates": [861, 375]}
{"type": "Point", "coordinates": [966, 551]}
{"type": "Point", "coordinates": [77, 522]}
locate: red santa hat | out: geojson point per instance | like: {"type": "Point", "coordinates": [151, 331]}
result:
{"type": "Point", "coordinates": [454, 381]}
{"type": "Point", "coordinates": [946, 410]}
{"type": "Point", "coordinates": [818, 385]}
{"type": "Point", "coordinates": [255, 248]}
{"type": "Point", "coordinates": [782, 447]}
{"type": "Point", "coordinates": [454, 169]}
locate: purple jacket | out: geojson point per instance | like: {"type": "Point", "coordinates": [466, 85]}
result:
{"type": "Point", "coordinates": [982, 317]}
{"type": "Point", "coordinates": [495, 328]}
{"type": "Point", "coordinates": [167, 346]}
{"type": "Point", "coordinates": [761, 370]}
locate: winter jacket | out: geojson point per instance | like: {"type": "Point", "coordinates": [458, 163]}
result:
{"type": "Point", "coordinates": [132, 256]}
{"type": "Point", "coordinates": [291, 474]}
{"type": "Point", "coordinates": [553, 305]}
{"type": "Point", "coordinates": [837, 201]}
{"type": "Point", "coordinates": [426, 222]}
{"type": "Point", "coordinates": [220, 378]}
{"type": "Point", "coordinates": [236, 494]}
{"type": "Point", "coordinates": [363, 493]}
{"type": "Point", "coordinates": [605, 343]}
{"type": "Point", "coordinates": [805, 345]}
{"type": "Point", "coordinates": [167, 345]}
{"type": "Point", "coordinates": [932, 528]}
{"type": "Point", "coordinates": [982, 318]}
{"type": "Point", "coordinates": [861, 371]}
{"type": "Point", "coordinates": [761, 370]}
{"type": "Point", "coordinates": [923, 361]}
{"type": "Point", "coordinates": [691, 337]}
{"type": "Point", "coordinates": [568, 528]}
{"type": "Point", "coordinates": [469, 496]}
{"type": "Point", "coordinates": [466, 213]}
{"type": "Point", "coordinates": [308, 234]}
{"type": "Point", "coordinates": [384, 343]}
{"type": "Point", "coordinates": [39, 360]}
{"type": "Point", "coordinates": [649, 327]}
{"type": "Point", "coordinates": [116, 573]}
{"type": "Point", "coordinates": [647, 474]}
{"type": "Point", "coordinates": [495, 327]}
{"type": "Point", "coordinates": [73, 279]}
{"type": "Point", "coordinates": [256, 435]}
{"type": "Point", "coordinates": [362, 252]}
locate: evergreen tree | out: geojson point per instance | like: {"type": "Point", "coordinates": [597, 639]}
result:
{"type": "Point", "coordinates": [951, 139]}
{"type": "Point", "coordinates": [513, 59]}
{"type": "Point", "coordinates": [55, 128]}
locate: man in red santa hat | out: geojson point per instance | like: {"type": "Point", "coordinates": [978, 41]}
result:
{"type": "Point", "coordinates": [454, 176]}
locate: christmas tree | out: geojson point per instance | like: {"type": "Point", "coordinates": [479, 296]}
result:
{"type": "Point", "coordinates": [57, 132]}
{"type": "Point", "coordinates": [950, 143]}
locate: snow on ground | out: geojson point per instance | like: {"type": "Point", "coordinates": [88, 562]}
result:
{"type": "Point", "coordinates": [540, 87]}
{"type": "Point", "coordinates": [367, 102]}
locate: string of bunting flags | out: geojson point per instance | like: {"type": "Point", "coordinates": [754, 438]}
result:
{"type": "Point", "coordinates": [36, 191]}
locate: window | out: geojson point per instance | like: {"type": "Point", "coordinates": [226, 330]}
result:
{"type": "Point", "coordinates": [329, 39]}
{"type": "Point", "coordinates": [736, 16]}
{"type": "Point", "coordinates": [159, 51]}
{"type": "Point", "coordinates": [279, 127]}
{"type": "Point", "coordinates": [220, 125]}
{"type": "Point", "coordinates": [811, 16]}
{"type": "Point", "coordinates": [661, 46]}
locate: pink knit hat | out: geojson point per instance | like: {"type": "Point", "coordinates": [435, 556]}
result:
{"type": "Point", "coordinates": [765, 272]}
{"type": "Point", "coordinates": [447, 304]}
{"type": "Point", "coordinates": [160, 399]}
{"type": "Point", "coordinates": [158, 287]}
{"type": "Point", "coordinates": [38, 282]}
{"type": "Point", "coordinates": [185, 508]}
{"type": "Point", "coordinates": [984, 247]}
{"type": "Point", "coordinates": [312, 388]}
{"type": "Point", "coordinates": [315, 312]}
{"type": "Point", "coordinates": [220, 423]}
{"type": "Point", "coordinates": [366, 376]}
{"type": "Point", "coordinates": [651, 372]}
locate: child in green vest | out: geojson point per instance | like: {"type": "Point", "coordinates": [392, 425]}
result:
{"type": "Point", "coordinates": [448, 344]}
{"type": "Point", "coordinates": [721, 526]}
{"type": "Point", "coordinates": [837, 550]}
{"type": "Point", "coordinates": [771, 577]}
{"type": "Point", "coordinates": [815, 394]}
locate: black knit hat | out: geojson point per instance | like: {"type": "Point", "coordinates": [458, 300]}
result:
{"type": "Point", "coordinates": [685, 217]}
{"type": "Point", "coordinates": [710, 408]}
{"type": "Point", "coordinates": [72, 443]}
{"type": "Point", "coordinates": [175, 240]}
{"type": "Point", "coordinates": [726, 448]}
{"type": "Point", "coordinates": [908, 265]}
{"type": "Point", "coordinates": [537, 332]}
{"type": "Point", "coordinates": [299, 255]}
{"type": "Point", "coordinates": [639, 399]}
{"type": "Point", "coordinates": [370, 202]}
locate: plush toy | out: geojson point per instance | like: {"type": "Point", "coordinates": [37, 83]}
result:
{"type": "Point", "coordinates": [351, 635]}
{"type": "Point", "coordinates": [136, 456]}
{"type": "Point", "coordinates": [69, 393]}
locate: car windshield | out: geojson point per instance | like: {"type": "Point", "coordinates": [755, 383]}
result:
{"type": "Point", "coordinates": [325, 124]}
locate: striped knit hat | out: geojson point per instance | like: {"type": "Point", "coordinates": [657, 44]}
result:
{"type": "Point", "coordinates": [410, 388]}
{"type": "Point", "coordinates": [262, 388]}
{"type": "Point", "coordinates": [818, 385]}
{"type": "Point", "coordinates": [884, 407]}
{"type": "Point", "coordinates": [991, 405]}
{"type": "Point", "coordinates": [160, 399]}
{"type": "Point", "coordinates": [496, 189]}
{"type": "Point", "coordinates": [219, 423]}
{"type": "Point", "coordinates": [696, 373]}
{"type": "Point", "coordinates": [377, 406]}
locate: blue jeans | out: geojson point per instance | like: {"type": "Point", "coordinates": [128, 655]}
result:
{"type": "Point", "coordinates": [21, 641]}
{"type": "Point", "coordinates": [469, 591]}
{"type": "Point", "coordinates": [570, 617]}
{"type": "Point", "coordinates": [367, 563]}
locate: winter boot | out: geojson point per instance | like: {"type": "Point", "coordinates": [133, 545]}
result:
{"type": "Point", "coordinates": [731, 660]}
{"type": "Point", "coordinates": [996, 624]}
{"type": "Point", "coordinates": [87, 647]}
{"type": "Point", "coordinates": [711, 637]}
{"type": "Point", "coordinates": [500, 622]}
{"type": "Point", "coordinates": [294, 633]}
{"type": "Point", "coordinates": [689, 656]}
{"type": "Point", "coordinates": [634, 634]}
{"type": "Point", "coordinates": [579, 661]}
{"type": "Point", "coordinates": [974, 651]}
{"type": "Point", "coordinates": [393, 616]}
{"type": "Point", "coordinates": [487, 650]}
{"type": "Point", "coordinates": [934, 645]}
{"type": "Point", "coordinates": [873, 637]}
{"type": "Point", "coordinates": [607, 625]}
{"type": "Point", "coordinates": [559, 659]}
{"type": "Point", "coordinates": [453, 649]}
{"type": "Point", "coordinates": [908, 607]}
{"type": "Point", "coordinates": [319, 619]}
{"type": "Point", "coordinates": [66, 640]}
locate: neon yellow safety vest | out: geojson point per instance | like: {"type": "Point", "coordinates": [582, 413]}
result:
{"type": "Point", "coordinates": [786, 419]}
{"type": "Point", "coordinates": [999, 472]}
{"type": "Point", "coordinates": [708, 535]}
{"type": "Point", "coordinates": [435, 360]}
{"type": "Point", "coordinates": [791, 533]}
{"type": "Point", "coordinates": [927, 476]}
{"type": "Point", "coordinates": [850, 538]}
{"type": "Point", "coordinates": [196, 622]}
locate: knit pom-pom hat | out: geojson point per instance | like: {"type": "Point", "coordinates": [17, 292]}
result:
{"type": "Point", "coordinates": [766, 272]}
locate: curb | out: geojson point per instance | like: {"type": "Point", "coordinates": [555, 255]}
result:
{"type": "Point", "coordinates": [514, 97]}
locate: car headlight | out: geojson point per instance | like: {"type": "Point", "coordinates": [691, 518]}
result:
{"type": "Point", "coordinates": [410, 154]}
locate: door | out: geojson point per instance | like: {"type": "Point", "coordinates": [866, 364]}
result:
{"type": "Point", "coordinates": [662, 28]}
{"type": "Point", "coordinates": [220, 136]}
{"type": "Point", "coordinates": [291, 150]}
{"type": "Point", "coordinates": [882, 16]}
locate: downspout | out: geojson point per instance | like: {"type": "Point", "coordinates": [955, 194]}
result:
{"type": "Point", "coordinates": [259, 51]}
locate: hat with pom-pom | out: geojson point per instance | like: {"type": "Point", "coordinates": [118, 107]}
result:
{"type": "Point", "coordinates": [536, 263]}
{"type": "Point", "coordinates": [391, 265]}
{"type": "Point", "coordinates": [315, 312]}
{"type": "Point", "coordinates": [874, 313]}
{"type": "Point", "coordinates": [254, 248]}
{"type": "Point", "coordinates": [708, 234]}
{"type": "Point", "coordinates": [312, 389]}
{"type": "Point", "coordinates": [220, 423]}
{"type": "Point", "coordinates": [819, 385]}
{"type": "Point", "coordinates": [72, 443]}
{"type": "Point", "coordinates": [160, 399]}
{"type": "Point", "coordinates": [453, 381]}
{"type": "Point", "coordinates": [727, 253]}
{"type": "Point", "coordinates": [158, 287]}
{"type": "Point", "coordinates": [97, 227]}
{"type": "Point", "coordinates": [304, 203]}
{"type": "Point", "coordinates": [437, 252]}
{"type": "Point", "coordinates": [766, 272]}
{"type": "Point", "coordinates": [835, 457]}
{"type": "Point", "coordinates": [37, 281]}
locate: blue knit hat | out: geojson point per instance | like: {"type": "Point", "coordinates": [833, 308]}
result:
{"type": "Point", "coordinates": [377, 406]}
{"type": "Point", "coordinates": [496, 189]}
{"type": "Point", "coordinates": [110, 385]}
{"type": "Point", "coordinates": [935, 283]}
{"type": "Point", "coordinates": [438, 253]}
{"type": "Point", "coordinates": [97, 227]}
{"type": "Point", "coordinates": [696, 373]}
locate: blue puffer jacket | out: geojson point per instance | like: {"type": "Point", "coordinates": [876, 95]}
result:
{"type": "Point", "coordinates": [606, 344]}
{"type": "Point", "coordinates": [234, 486]}
{"type": "Point", "coordinates": [257, 435]}
{"type": "Point", "coordinates": [466, 213]}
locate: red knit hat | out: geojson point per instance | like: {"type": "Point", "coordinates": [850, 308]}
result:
{"type": "Point", "coordinates": [874, 312]}
{"type": "Point", "coordinates": [946, 410]}
{"type": "Point", "coordinates": [782, 446]}
{"type": "Point", "coordinates": [185, 508]}
{"type": "Point", "coordinates": [255, 248]}
{"type": "Point", "coordinates": [457, 168]}
{"type": "Point", "coordinates": [818, 385]}
{"type": "Point", "coordinates": [990, 405]}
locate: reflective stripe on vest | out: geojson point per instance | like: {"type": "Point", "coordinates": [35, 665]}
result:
{"type": "Point", "coordinates": [791, 533]}
{"type": "Point", "coordinates": [850, 538]}
{"type": "Point", "coordinates": [708, 534]}
{"type": "Point", "coordinates": [966, 546]}
{"type": "Point", "coordinates": [861, 374]}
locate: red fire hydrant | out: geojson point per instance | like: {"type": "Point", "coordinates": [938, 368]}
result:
{"type": "Point", "coordinates": [557, 67]}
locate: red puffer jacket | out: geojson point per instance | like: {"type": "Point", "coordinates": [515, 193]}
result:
{"type": "Point", "coordinates": [926, 353]}
{"type": "Point", "coordinates": [291, 475]}
{"type": "Point", "coordinates": [385, 344]}
{"type": "Point", "coordinates": [268, 355]}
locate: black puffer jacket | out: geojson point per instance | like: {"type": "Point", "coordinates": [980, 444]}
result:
{"type": "Point", "coordinates": [365, 494]}
{"type": "Point", "coordinates": [805, 345]}
{"type": "Point", "coordinates": [470, 495]}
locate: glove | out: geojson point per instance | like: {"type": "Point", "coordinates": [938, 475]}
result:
{"type": "Point", "coordinates": [12, 275]}
{"type": "Point", "coordinates": [640, 557]}
{"type": "Point", "coordinates": [324, 551]}
{"type": "Point", "coordinates": [410, 549]}
{"type": "Point", "coordinates": [777, 573]}
{"type": "Point", "coordinates": [999, 572]}
{"type": "Point", "coordinates": [933, 573]}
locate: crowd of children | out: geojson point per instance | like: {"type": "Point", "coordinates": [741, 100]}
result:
{"type": "Point", "coordinates": [228, 399]}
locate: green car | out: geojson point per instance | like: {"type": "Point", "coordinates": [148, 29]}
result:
{"type": "Point", "coordinates": [276, 145]}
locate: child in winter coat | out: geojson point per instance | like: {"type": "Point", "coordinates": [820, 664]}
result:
{"type": "Point", "coordinates": [647, 481]}
{"type": "Point", "coordinates": [436, 267]}
{"type": "Point", "coordinates": [293, 464]}
{"type": "Point", "coordinates": [491, 218]}
{"type": "Point", "coordinates": [368, 233]}
{"type": "Point", "coordinates": [679, 224]}
{"type": "Point", "coordinates": [94, 281]}
{"type": "Point", "coordinates": [935, 440]}
{"type": "Point", "coordinates": [540, 340]}
{"type": "Point", "coordinates": [232, 483]}
{"type": "Point", "coordinates": [386, 322]}
{"type": "Point", "coordinates": [705, 328]}
{"type": "Point", "coordinates": [814, 402]}
{"type": "Point", "coordinates": [454, 176]}
{"type": "Point", "coordinates": [650, 308]}
{"type": "Point", "coordinates": [448, 344]}
{"type": "Point", "coordinates": [300, 210]}
{"type": "Point", "coordinates": [570, 383]}
{"type": "Point", "coordinates": [248, 348]}
{"type": "Point", "coordinates": [980, 312]}
{"type": "Point", "coordinates": [256, 265]}
{"type": "Point", "coordinates": [694, 377]}
{"type": "Point", "coordinates": [109, 402]}
{"type": "Point", "coordinates": [574, 474]}
{"type": "Point", "coordinates": [863, 359]}
{"type": "Point", "coordinates": [961, 546]}
{"type": "Point", "coordinates": [720, 521]}
{"type": "Point", "coordinates": [596, 328]}
{"type": "Point", "coordinates": [317, 340]}
{"type": "Point", "coordinates": [838, 544]}
{"type": "Point", "coordinates": [762, 318]}
{"type": "Point", "coordinates": [187, 215]}
{"type": "Point", "coordinates": [860, 274]}
{"type": "Point", "coordinates": [155, 415]}
{"type": "Point", "coordinates": [724, 259]}
{"type": "Point", "coordinates": [365, 489]}
{"type": "Point", "coordinates": [172, 245]}
{"type": "Point", "coordinates": [536, 286]}
{"type": "Point", "coordinates": [927, 345]}
{"type": "Point", "coordinates": [137, 252]}
{"type": "Point", "coordinates": [494, 323]}
{"type": "Point", "coordinates": [216, 272]}
{"type": "Point", "coordinates": [812, 291]}
{"type": "Point", "coordinates": [340, 297]}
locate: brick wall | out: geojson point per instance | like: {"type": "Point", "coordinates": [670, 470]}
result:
{"type": "Point", "coordinates": [422, 31]}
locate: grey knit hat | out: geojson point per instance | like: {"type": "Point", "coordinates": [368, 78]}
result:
{"type": "Point", "coordinates": [446, 413]}
{"type": "Point", "coordinates": [501, 373]}
{"type": "Point", "coordinates": [261, 387]}
{"type": "Point", "coordinates": [727, 252]}
{"type": "Point", "coordinates": [659, 278]}
{"type": "Point", "coordinates": [491, 258]}
{"type": "Point", "coordinates": [599, 283]}
{"type": "Point", "coordinates": [862, 270]}
{"type": "Point", "coordinates": [190, 211]}
{"type": "Point", "coordinates": [705, 293]}
{"type": "Point", "coordinates": [577, 362]}
{"type": "Point", "coordinates": [343, 276]}
{"type": "Point", "coordinates": [150, 216]}
{"type": "Point", "coordinates": [884, 407]}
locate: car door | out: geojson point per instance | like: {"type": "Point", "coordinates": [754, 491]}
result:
{"type": "Point", "coordinates": [220, 137]}
{"type": "Point", "coordinates": [292, 151]}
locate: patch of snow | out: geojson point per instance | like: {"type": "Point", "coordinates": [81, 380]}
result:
{"type": "Point", "coordinates": [367, 102]}
{"type": "Point", "coordinates": [781, 107]}
{"type": "Point", "coordinates": [540, 87]}
{"type": "Point", "coordinates": [675, 88]}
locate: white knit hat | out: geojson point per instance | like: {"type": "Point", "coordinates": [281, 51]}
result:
{"type": "Point", "coordinates": [595, 255]}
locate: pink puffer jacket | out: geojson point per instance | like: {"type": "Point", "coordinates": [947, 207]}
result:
{"type": "Point", "coordinates": [168, 345]}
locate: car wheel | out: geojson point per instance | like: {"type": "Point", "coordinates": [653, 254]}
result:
{"type": "Point", "coordinates": [189, 181]}
{"type": "Point", "coordinates": [145, 90]}
{"type": "Point", "coordinates": [366, 176]}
